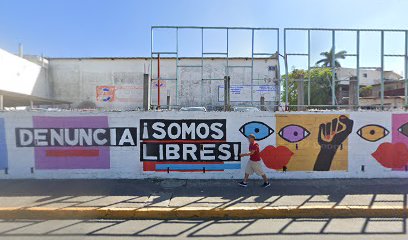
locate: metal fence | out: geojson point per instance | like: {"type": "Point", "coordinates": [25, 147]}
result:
{"type": "Point", "coordinates": [203, 83]}
{"type": "Point", "coordinates": [306, 53]}
{"type": "Point", "coordinates": [225, 54]}
{"type": "Point", "coordinates": [354, 83]}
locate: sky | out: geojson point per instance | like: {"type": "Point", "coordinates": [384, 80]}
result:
{"type": "Point", "coordinates": [121, 28]}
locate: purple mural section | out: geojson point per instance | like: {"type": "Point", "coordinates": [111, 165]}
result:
{"type": "Point", "coordinates": [73, 157]}
{"type": "Point", "coordinates": [399, 147]}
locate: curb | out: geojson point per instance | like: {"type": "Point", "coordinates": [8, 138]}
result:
{"type": "Point", "coordinates": [200, 213]}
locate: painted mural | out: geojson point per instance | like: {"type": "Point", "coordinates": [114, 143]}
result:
{"type": "Point", "coordinates": [273, 157]}
{"type": "Point", "coordinates": [193, 145]}
{"type": "Point", "coordinates": [73, 142]}
{"type": "Point", "coordinates": [259, 129]}
{"type": "Point", "coordinates": [399, 142]}
{"type": "Point", "coordinates": [372, 132]}
{"type": "Point", "coordinates": [203, 145]}
{"type": "Point", "coordinates": [3, 146]}
{"type": "Point", "coordinates": [319, 142]}
{"type": "Point", "coordinates": [394, 154]}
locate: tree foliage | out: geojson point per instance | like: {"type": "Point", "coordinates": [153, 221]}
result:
{"type": "Point", "coordinates": [320, 86]}
{"type": "Point", "coordinates": [366, 91]}
{"type": "Point", "coordinates": [328, 57]}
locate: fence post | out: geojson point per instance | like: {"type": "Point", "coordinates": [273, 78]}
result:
{"type": "Point", "coordinates": [227, 93]}
{"type": "Point", "coordinates": [146, 92]}
{"type": "Point", "coordinates": [353, 93]}
{"type": "Point", "coordinates": [262, 100]}
{"type": "Point", "coordinates": [168, 102]}
{"type": "Point", "coordinates": [301, 95]}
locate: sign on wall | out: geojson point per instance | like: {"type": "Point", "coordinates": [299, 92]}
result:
{"type": "Point", "coordinates": [242, 93]}
{"type": "Point", "coordinates": [105, 93]}
{"type": "Point", "coordinates": [73, 142]}
{"type": "Point", "coordinates": [121, 94]}
{"type": "Point", "coordinates": [187, 145]}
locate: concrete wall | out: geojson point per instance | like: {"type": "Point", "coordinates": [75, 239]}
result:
{"type": "Point", "coordinates": [22, 76]}
{"type": "Point", "coordinates": [118, 83]}
{"type": "Point", "coordinates": [389, 101]}
{"type": "Point", "coordinates": [187, 145]}
{"type": "Point", "coordinates": [376, 90]}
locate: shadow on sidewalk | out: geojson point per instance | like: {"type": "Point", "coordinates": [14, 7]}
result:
{"type": "Point", "coordinates": [165, 193]}
{"type": "Point", "coordinates": [204, 228]}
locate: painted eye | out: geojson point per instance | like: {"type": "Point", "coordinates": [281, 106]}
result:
{"type": "Point", "coordinates": [404, 129]}
{"type": "Point", "coordinates": [293, 133]}
{"type": "Point", "coordinates": [259, 129]}
{"type": "Point", "coordinates": [373, 132]}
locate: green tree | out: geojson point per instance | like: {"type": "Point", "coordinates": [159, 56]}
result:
{"type": "Point", "coordinates": [320, 86]}
{"type": "Point", "coordinates": [366, 91]}
{"type": "Point", "coordinates": [328, 57]}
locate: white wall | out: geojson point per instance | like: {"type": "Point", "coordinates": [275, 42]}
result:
{"type": "Point", "coordinates": [76, 80]}
{"type": "Point", "coordinates": [367, 76]}
{"type": "Point", "coordinates": [22, 76]}
{"type": "Point", "coordinates": [349, 161]}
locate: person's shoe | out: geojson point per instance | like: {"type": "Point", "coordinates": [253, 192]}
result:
{"type": "Point", "coordinates": [265, 184]}
{"type": "Point", "coordinates": [243, 184]}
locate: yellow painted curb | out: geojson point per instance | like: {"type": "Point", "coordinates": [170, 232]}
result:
{"type": "Point", "coordinates": [201, 212]}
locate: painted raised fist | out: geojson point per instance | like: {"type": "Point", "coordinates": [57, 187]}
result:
{"type": "Point", "coordinates": [331, 136]}
{"type": "Point", "coordinates": [335, 132]}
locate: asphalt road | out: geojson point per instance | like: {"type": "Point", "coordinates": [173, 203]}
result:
{"type": "Point", "coordinates": [283, 228]}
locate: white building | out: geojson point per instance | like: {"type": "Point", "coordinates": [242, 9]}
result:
{"type": "Point", "coordinates": [24, 82]}
{"type": "Point", "coordinates": [368, 76]}
{"type": "Point", "coordinates": [117, 83]}
{"type": "Point", "coordinates": [347, 79]}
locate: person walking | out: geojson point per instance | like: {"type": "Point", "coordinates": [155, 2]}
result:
{"type": "Point", "coordinates": [254, 163]}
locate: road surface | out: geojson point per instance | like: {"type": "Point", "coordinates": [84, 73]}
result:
{"type": "Point", "coordinates": [283, 228]}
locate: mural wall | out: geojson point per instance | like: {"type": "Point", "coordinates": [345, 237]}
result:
{"type": "Point", "coordinates": [202, 145]}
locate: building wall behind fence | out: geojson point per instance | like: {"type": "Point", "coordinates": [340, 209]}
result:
{"type": "Point", "coordinates": [198, 145]}
{"type": "Point", "coordinates": [118, 83]}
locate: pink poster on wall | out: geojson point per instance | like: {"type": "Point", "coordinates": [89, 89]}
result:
{"type": "Point", "coordinates": [73, 157]}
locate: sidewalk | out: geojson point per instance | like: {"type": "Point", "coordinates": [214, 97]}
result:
{"type": "Point", "coordinates": [165, 198]}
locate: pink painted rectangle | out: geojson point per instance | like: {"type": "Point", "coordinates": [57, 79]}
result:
{"type": "Point", "coordinates": [72, 157]}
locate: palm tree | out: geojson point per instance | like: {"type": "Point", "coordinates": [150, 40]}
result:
{"type": "Point", "coordinates": [327, 60]}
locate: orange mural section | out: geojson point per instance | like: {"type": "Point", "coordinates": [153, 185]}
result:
{"type": "Point", "coordinates": [319, 142]}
